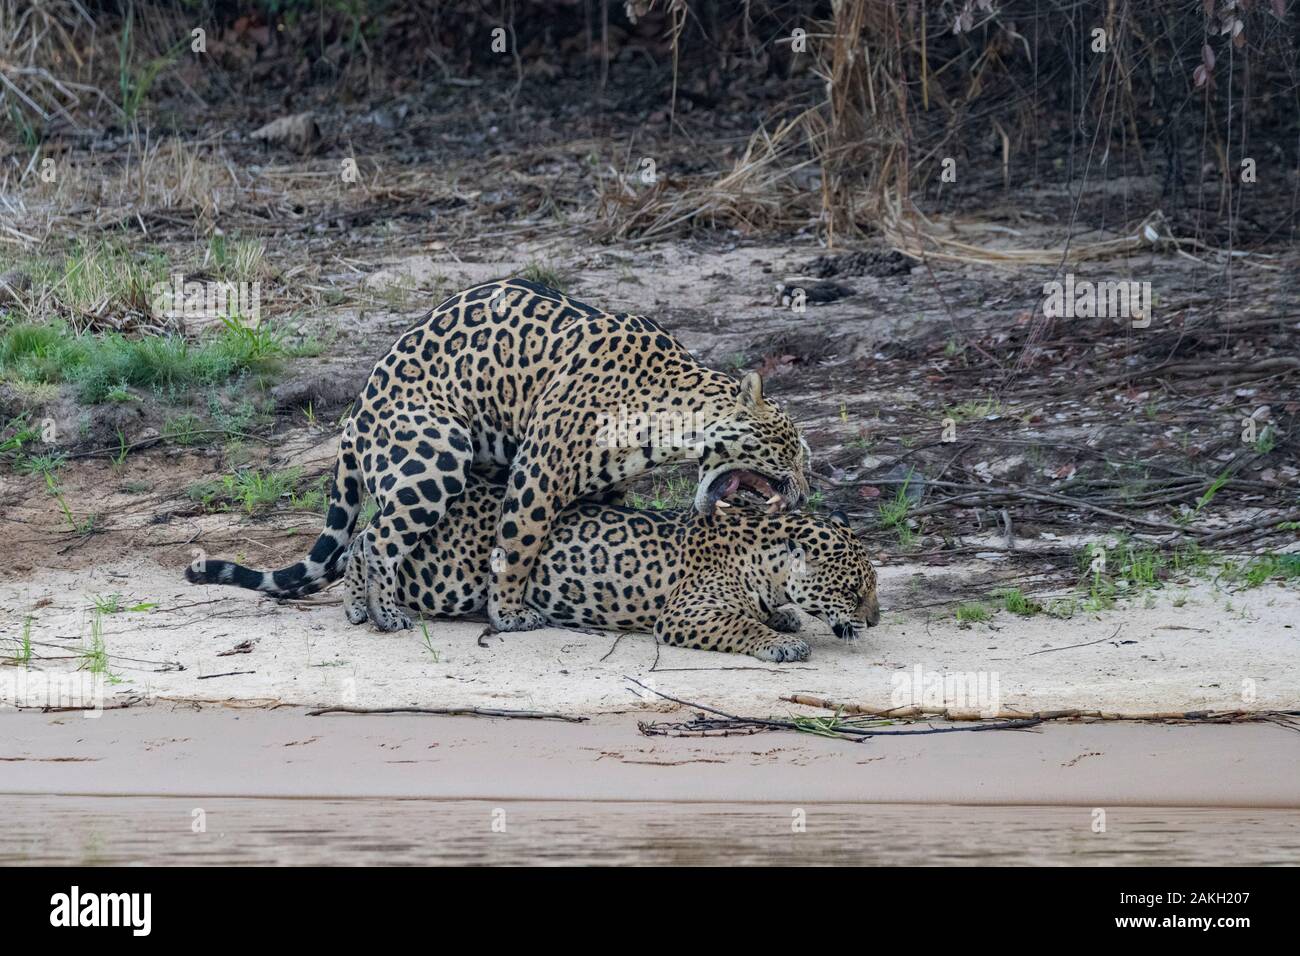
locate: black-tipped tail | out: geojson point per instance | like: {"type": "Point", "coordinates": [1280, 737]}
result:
{"type": "Point", "coordinates": [297, 580]}
{"type": "Point", "coordinates": [325, 562]}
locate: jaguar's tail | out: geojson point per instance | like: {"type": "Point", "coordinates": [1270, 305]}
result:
{"type": "Point", "coordinates": [325, 562]}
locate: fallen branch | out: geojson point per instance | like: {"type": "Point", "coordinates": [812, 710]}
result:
{"type": "Point", "coordinates": [1270, 522]}
{"type": "Point", "coordinates": [232, 703]}
{"type": "Point", "coordinates": [1100, 640]}
{"type": "Point", "coordinates": [46, 709]}
{"type": "Point", "coordinates": [857, 734]}
{"type": "Point", "coordinates": [450, 712]}
{"type": "Point", "coordinates": [1204, 716]}
{"type": "Point", "coordinates": [226, 674]}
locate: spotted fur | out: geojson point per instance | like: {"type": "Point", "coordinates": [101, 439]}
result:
{"type": "Point", "coordinates": [513, 373]}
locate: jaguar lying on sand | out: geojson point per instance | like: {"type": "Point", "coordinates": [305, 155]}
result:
{"type": "Point", "coordinates": [514, 373]}
{"type": "Point", "coordinates": [715, 582]}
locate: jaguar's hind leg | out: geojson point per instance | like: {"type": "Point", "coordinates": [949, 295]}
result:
{"type": "Point", "coordinates": [413, 476]}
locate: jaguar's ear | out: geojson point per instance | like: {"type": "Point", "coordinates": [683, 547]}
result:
{"type": "Point", "coordinates": [751, 392]}
{"type": "Point", "coordinates": [840, 518]}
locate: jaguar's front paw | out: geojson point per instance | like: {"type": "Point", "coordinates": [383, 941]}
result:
{"type": "Point", "coordinates": [355, 610]}
{"type": "Point", "coordinates": [782, 650]}
{"type": "Point", "coordinates": [385, 615]}
{"type": "Point", "coordinates": [515, 619]}
{"type": "Point", "coordinates": [785, 620]}
{"type": "Point", "coordinates": [389, 621]}
{"type": "Point", "coordinates": [354, 584]}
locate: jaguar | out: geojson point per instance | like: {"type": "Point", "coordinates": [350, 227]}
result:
{"type": "Point", "coordinates": [513, 373]}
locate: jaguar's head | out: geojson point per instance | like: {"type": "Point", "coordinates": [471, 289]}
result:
{"type": "Point", "coordinates": [830, 574]}
{"type": "Point", "coordinates": [754, 449]}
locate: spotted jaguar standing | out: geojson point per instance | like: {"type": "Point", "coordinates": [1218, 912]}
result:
{"type": "Point", "coordinates": [715, 582]}
{"type": "Point", "coordinates": [513, 373]}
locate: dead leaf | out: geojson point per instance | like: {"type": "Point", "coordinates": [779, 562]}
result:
{"type": "Point", "coordinates": [243, 647]}
{"type": "Point", "coordinates": [775, 364]}
{"type": "Point", "coordinates": [299, 132]}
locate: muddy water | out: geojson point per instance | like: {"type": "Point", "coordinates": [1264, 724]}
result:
{"type": "Point", "coordinates": [170, 830]}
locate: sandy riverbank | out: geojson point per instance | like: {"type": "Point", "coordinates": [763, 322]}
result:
{"type": "Point", "coordinates": [176, 750]}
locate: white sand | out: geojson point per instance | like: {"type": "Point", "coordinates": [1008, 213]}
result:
{"type": "Point", "coordinates": [1196, 656]}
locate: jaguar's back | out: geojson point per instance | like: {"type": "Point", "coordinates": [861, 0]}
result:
{"type": "Point", "coordinates": [484, 355]}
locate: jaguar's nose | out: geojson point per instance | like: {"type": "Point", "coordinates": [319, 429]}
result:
{"type": "Point", "coordinates": [873, 611]}
{"type": "Point", "coordinates": [793, 494]}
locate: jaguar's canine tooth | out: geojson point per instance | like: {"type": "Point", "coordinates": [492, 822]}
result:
{"type": "Point", "coordinates": [723, 503]}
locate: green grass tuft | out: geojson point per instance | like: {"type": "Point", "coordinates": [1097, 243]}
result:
{"type": "Point", "coordinates": [94, 656]}
{"type": "Point", "coordinates": [256, 492]}
{"type": "Point", "coordinates": [106, 604]}
{"type": "Point", "coordinates": [101, 366]}
{"type": "Point", "coordinates": [1282, 567]}
{"type": "Point", "coordinates": [428, 641]}
{"type": "Point", "coordinates": [24, 655]}
{"type": "Point", "coordinates": [672, 493]}
{"type": "Point", "coordinates": [974, 410]}
{"type": "Point", "coordinates": [973, 613]}
{"type": "Point", "coordinates": [546, 274]}
{"type": "Point", "coordinates": [893, 514]}
{"type": "Point", "coordinates": [1016, 601]}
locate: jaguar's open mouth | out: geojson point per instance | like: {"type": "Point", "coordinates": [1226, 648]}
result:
{"type": "Point", "coordinates": [738, 480]}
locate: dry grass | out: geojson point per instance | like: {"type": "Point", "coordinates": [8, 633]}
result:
{"type": "Point", "coordinates": [899, 88]}
{"type": "Point", "coordinates": [917, 236]}
{"type": "Point", "coordinates": [153, 177]}
{"type": "Point", "coordinates": [907, 88]}
{"type": "Point", "coordinates": [760, 192]}
{"type": "Point", "coordinates": [835, 164]}
{"type": "Point", "coordinates": [40, 49]}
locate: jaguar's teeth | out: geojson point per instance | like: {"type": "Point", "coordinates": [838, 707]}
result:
{"type": "Point", "coordinates": [773, 509]}
{"type": "Point", "coordinates": [774, 500]}
{"type": "Point", "coordinates": [723, 503]}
